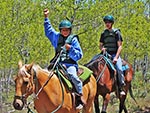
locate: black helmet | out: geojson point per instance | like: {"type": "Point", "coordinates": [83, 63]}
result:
{"type": "Point", "coordinates": [108, 18]}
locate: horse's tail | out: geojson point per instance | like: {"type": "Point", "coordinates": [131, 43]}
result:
{"type": "Point", "coordinates": [131, 93]}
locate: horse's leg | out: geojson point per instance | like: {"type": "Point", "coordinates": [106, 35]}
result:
{"type": "Point", "coordinates": [96, 104]}
{"type": "Point", "coordinates": [122, 105]}
{"type": "Point", "coordinates": [89, 94]}
{"type": "Point", "coordinates": [106, 99]}
{"type": "Point", "coordinates": [88, 108]}
{"type": "Point", "coordinates": [122, 99]}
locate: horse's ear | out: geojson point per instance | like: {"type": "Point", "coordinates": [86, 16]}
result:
{"type": "Point", "coordinates": [29, 67]}
{"type": "Point", "coordinates": [19, 64]}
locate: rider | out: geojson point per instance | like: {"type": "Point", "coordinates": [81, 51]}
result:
{"type": "Point", "coordinates": [72, 51]}
{"type": "Point", "coordinates": [111, 41]}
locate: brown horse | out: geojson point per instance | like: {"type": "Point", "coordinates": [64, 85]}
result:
{"type": "Point", "coordinates": [107, 83]}
{"type": "Point", "coordinates": [51, 95]}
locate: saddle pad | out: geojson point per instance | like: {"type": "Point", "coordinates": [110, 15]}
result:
{"type": "Point", "coordinates": [68, 83]}
{"type": "Point", "coordinates": [84, 76]}
{"type": "Point", "coordinates": [125, 67]}
{"type": "Point", "coordinates": [109, 63]}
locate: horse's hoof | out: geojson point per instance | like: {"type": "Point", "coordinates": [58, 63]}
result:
{"type": "Point", "coordinates": [103, 112]}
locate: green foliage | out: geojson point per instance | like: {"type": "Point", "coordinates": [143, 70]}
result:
{"type": "Point", "coordinates": [22, 28]}
{"type": "Point", "coordinates": [22, 31]}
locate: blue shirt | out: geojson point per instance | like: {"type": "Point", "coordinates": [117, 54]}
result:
{"type": "Point", "coordinates": [75, 51]}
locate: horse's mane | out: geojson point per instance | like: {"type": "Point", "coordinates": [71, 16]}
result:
{"type": "Point", "coordinates": [94, 62]}
{"type": "Point", "coordinates": [24, 71]}
{"type": "Point", "coordinates": [37, 67]}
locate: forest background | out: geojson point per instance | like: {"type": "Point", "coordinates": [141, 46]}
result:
{"type": "Point", "coordinates": [22, 36]}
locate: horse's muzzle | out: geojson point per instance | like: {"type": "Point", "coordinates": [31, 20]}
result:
{"type": "Point", "coordinates": [18, 103]}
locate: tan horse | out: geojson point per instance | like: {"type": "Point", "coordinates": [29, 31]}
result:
{"type": "Point", "coordinates": [106, 83]}
{"type": "Point", "coordinates": [52, 96]}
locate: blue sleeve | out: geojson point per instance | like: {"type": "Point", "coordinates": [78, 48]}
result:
{"type": "Point", "coordinates": [75, 51]}
{"type": "Point", "coordinates": [50, 32]}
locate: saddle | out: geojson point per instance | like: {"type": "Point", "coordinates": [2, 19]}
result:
{"type": "Point", "coordinates": [112, 66]}
{"type": "Point", "coordinates": [83, 73]}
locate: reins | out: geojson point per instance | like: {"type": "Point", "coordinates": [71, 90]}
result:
{"type": "Point", "coordinates": [102, 72]}
{"type": "Point", "coordinates": [93, 61]}
{"type": "Point", "coordinates": [49, 77]}
{"type": "Point", "coordinates": [62, 94]}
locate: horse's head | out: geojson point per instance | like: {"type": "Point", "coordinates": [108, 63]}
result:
{"type": "Point", "coordinates": [23, 85]}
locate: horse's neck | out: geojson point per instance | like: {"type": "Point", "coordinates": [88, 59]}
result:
{"type": "Point", "coordinates": [49, 87]}
{"type": "Point", "coordinates": [102, 70]}
{"type": "Point", "coordinates": [43, 76]}
{"type": "Point", "coordinates": [49, 80]}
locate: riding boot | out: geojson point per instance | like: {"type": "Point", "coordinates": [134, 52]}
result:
{"type": "Point", "coordinates": [79, 103]}
{"type": "Point", "coordinates": [121, 82]}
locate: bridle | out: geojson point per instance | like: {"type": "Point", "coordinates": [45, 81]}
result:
{"type": "Point", "coordinates": [35, 93]}
{"type": "Point", "coordinates": [23, 97]}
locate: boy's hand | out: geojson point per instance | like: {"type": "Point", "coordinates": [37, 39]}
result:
{"type": "Point", "coordinates": [46, 12]}
{"type": "Point", "coordinates": [115, 60]}
{"type": "Point", "coordinates": [67, 46]}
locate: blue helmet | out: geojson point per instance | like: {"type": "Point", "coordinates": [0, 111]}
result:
{"type": "Point", "coordinates": [108, 18]}
{"type": "Point", "coordinates": [65, 24]}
